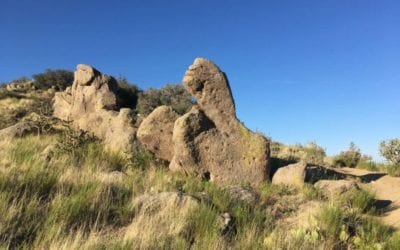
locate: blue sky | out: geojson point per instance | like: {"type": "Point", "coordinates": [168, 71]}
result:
{"type": "Point", "coordinates": [300, 71]}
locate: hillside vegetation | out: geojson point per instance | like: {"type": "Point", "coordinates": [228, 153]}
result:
{"type": "Point", "coordinates": [62, 188]}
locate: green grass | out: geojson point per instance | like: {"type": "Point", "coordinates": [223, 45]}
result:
{"type": "Point", "coordinates": [82, 199]}
{"type": "Point", "coordinates": [389, 168]}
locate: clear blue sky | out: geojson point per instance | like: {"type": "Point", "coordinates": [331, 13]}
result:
{"type": "Point", "coordinates": [301, 71]}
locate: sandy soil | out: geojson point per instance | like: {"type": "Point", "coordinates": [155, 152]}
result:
{"type": "Point", "coordinates": [387, 190]}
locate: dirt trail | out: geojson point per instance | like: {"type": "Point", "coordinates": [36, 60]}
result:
{"type": "Point", "coordinates": [387, 190]}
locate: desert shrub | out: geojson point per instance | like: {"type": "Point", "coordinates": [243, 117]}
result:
{"type": "Point", "coordinates": [171, 95]}
{"type": "Point", "coordinates": [361, 200]}
{"type": "Point", "coordinates": [311, 153]}
{"type": "Point", "coordinates": [128, 93]}
{"type": "Point", "coordinates": [372, 234]}
{"type": "Point", "coordinates": [330, 220]}
{"type": "Point", "coordinates": [367, 163]}
{"type": "Point", "coordinates": [348, 158]}
{"type": "Point", "coordinates": [390, 149]}
{"type": "Point", "coordinates": [315, 154]}
{"type": "Point", "coordinates": [72, 140]}
{"type": "Point", "coordinates": [311, 192]}
{"type": "Point", "coordinates": [58, 78]}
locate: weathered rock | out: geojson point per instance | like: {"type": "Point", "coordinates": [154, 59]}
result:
{"type": "Point", "coordinates": [205, 81]}
{"type": "Point", "coordinates": [299, 173]}
{"type": "Point", "coordinates": [17, 130]}
{"type": "Point", "coordinates": [91, 104]}
{"type": "Point", "coordinates": [293, 174]}
{"type": "Point", "coordinates": [210, 141]}
{"type": "Point", "coordinates": [155, 132]}
{"type": "Point", "coordinates": [20, 86]}
{"type": "Point", "coordinates": [330, 188]}
{"type": "Point", "coordinates": [240, 194]}
{"type": "Point", "coordinates": [32, 123]}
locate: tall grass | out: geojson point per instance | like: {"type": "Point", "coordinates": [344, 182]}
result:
{"type": "Point", "coordinates": [85, 199]}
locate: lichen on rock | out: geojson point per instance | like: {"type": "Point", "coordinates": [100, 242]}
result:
{"type": "Point", "coordinates": [92, 105]}
{"type": "Point", "coordinates": [209, 140]}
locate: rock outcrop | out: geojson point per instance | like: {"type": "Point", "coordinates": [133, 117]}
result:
{"type": "Point", "coordinates": [155, 132]}
{"type": "Point", "coordinates": [91, 104]}
{"type": "Point", "coordinates": [209, 141]}
{"type": "Point", "coordinates": [332, 188]}
{"type": "Point", "coordinates": [293, 174]}
{"type": "Point", "coordinates": [297, 174]}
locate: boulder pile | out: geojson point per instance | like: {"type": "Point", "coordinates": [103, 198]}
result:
{"type": "Point", "coordinates": [208, 141]}
{"type": "Point", "coordinates": [92, 105]}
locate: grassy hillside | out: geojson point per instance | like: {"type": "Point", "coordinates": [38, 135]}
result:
{"type": "Point", "coordinates": [85, 197]}
{"type": "Point", "coordinates": [63, 189]}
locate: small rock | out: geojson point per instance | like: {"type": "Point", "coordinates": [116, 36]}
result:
{"type": "Point", "coordinates": [240, 194]}
{"type": "Point", "coordinates": [331, 188]}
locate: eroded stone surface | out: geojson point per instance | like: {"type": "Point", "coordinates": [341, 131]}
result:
{"type": "Point", "coordinates": [331, 188]}
{"type": "Point", "coordinates": [293, 174]}
{"type": "Point", "coordinates": [92, 106]}
{"type": "Point", "coordinates": [209, 141]}
{"type": "Point", "coordinates": [155, 132]}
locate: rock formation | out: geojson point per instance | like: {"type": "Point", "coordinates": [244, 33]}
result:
{"type": "Point", "coordinates": [297, 174]}
{"type": "Point", "coordinates": [209, 141]}
{"type": "Point", "coordinates": [334, 188]}
{"type": "Point", "coordinates": [155, 132]}
{"type": "Point", "coordinates": [91, 104]}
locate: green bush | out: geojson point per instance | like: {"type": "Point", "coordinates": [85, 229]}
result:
{"type": "Point", "coordinates": [171, 95]}
{"type": "Point", "coordinates": [390, 149]}
{"type": "Point", "coordinates": [349, 158]}
{"type": "Point", "coordinates": [58, 78]}
{"type": "Point", "coordinates": [128, 93]}
{"type": "Point", "coordinates": [315, 154]}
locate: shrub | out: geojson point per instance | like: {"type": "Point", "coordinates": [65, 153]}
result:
{"type": "Point", "coordinates": [171, 95]}
{"type": "Point", "coordinates": [128, 93]}
{"type": "Point", "coordinates": [367, 163]}
{"type": "Point", "coordinates": [311, 153]}
{"type": "Point", "coordinates": [315, 154]}
{"type": "Point", "coordinates": [390, 149]}
{"type": "Point", "coordinates": [349, 158]}
{"type": "Point", "coordinates": [58, 78]}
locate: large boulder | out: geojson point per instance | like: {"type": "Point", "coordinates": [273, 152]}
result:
{"type": "Point", "coordinates": [91, 104]}
{"type": "Point", "coordinates": [293, 174]}
{"type": "Point", "coordinates": [155, 132]}
{"type": "Point", "coordinates": [209, 141]}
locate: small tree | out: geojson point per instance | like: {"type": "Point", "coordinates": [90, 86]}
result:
{"type": "Point", "coordinates": [390, 149]}
{"type": "Point", "coordinates": [171, 95]}
{"type": "Point", "coordinates": [128, 93]}
{"type": "Point", "coordinates": [58, 78]}
{"type": "Point", "coordinates": [349, 158]}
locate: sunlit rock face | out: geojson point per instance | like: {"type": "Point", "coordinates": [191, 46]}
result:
{"type": "Point", "coordinates": [209, 141]}
{"type": "Point", "coordinates": [91, 104]}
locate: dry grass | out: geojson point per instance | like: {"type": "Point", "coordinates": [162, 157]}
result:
{"type": "Point", "coordinates": [90, 198]}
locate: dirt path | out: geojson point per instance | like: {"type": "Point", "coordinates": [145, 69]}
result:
{"type": "Point", "coordinates": [387, 190]}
